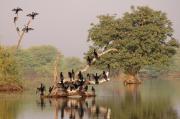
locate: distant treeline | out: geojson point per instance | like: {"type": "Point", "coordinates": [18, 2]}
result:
{"type": "Point", "coordinates": [34, 62]}
{"type": "Point", "coordinates": [38, 61]}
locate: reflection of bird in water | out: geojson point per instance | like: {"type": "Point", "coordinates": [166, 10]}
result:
{"type": "Point", "coordinates": [41, 103]}
{"type": "Point", "coordinates": [95, 54]}
{"type": "Point", "coordinates": [27, 29]}
{"type": "Point", "coordinates": [89, 60]}
{"type": "Point", "coordinates": [17, 10]}
{"type": "Point", "coordinates": [79, 108]}
{"type": "Point", "coordinates": [32, 15]}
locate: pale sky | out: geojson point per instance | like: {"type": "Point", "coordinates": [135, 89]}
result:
{"type": "Point", "coordinates": [65, 23]}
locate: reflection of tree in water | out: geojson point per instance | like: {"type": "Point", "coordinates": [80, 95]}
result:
{"type": "Point", "coordinates": [133, 107]}
{"type": "Point", "coordinates": [77, 108]}
{"type": "Point", "coordinates": [9, 108]}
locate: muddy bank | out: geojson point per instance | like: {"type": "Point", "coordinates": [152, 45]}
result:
{"type": "Point", "coordinates": [11, 88]}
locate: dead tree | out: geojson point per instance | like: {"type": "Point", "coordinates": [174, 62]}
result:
{"type": "Point", "coordinates": [21, 32]}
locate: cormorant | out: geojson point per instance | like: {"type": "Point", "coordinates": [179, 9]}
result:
{"type": "Point", "coordinates": [108, 66]}
{"type": "Point", "coordinates": [73, 74]}
{"type": "Point", "coordinates": [61, 77]}
{"type": "Point", "coordinates": [70, 75]}
{"type": "Point", "coordinates": [16, 10]}
{"type": "Point", "coordinates": [15, 19]}
{"type": "Point", "coordinates": [41, 89]}
{"type": "Point", "coordinates": [95, 54]}
{"type": "Point", "coordinates": [80, 76]}
{"type": "Point", "coordinates": [89, 76]}
{"type": "Point", "coordinates": [104, 75]}
{"type": "Point", "coordinates": [17, 29]}
{"type": "Point", "coordinates": [32, 15]}
{"type": "Point", "coordinates": [93, 89]}
{"type": "Point", "coordinates": [50, 89]}
{"type": "Point", "coordinates": [86, 88]}
{"type": "Point", "coordinates": [96, 77]}
{"type": "Point", "coordinates": [89, 60]}
{"type": "Point", "coordinates": [27, 29]}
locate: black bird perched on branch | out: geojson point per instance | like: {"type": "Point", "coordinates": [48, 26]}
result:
{"type": "Point", "coordinates": [105, 76]}
{"type": "Point", "coordinates": [50, 89]}
{"type": "Point", "coordinates": [17, 29]}
{"type": "Point", "coordinates": [108, 67]}
{"type": "Point", "coordinates": [89, 60]}
{"type": "Point", "coordinates": [95, 54]}
{"type": "Point", "coordinates": [41, 89]}
{"type": "Point", "coordinates": [17, 10]}
{"type": "Point", "coordinates": [89, 76]}
{"type": "Point", "coordinates": [73, 74]}
{"type": "Point", "coordinates": [86, 88]}
{"type": "Point", "coordinates": [96, 77]}
{"type": "Point", "coordinates": [70, 75]}
{"type": "Point", "coordinates": [61, 77]}
{"type": "Point", "coordinates": [80, 76]}
{"type": "Point", "coordinates": [27, 29]}
{"type": "Point", "coordinates": [15, 19]}
{"type": "Point", "coordinates": [32, 15]}
{"type": "Point", "coordinates": [93, 89]}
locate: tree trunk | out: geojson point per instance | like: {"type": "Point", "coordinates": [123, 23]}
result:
{"type": "Point", "coordinates": [132, 79]}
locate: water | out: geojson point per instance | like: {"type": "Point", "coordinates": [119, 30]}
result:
{"type": "Point", "coordinates": [154, 99]}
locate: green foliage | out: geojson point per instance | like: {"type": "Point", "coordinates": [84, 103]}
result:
{"type": "Point", "coordinates": [38, 62]}
{"type": "Point", "coordinates": [143, 37]}
{"type": "Point", "coordinates": [72, 63]}
{"type": "Point", "coordinates": [9, 72]}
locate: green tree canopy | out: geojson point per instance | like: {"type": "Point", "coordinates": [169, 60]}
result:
{"type": "Point", "coordinates": [142, 37]}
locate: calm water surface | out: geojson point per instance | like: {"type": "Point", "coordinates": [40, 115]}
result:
{"type": "Point", "coordinates": [154, 99]}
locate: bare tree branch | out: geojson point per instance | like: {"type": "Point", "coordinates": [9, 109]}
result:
{"type": "Point", "coordinates": [94, 59]}
{"type": "Point", "coordinates": [21, 36]}
{"type": "Point", "coordinates": [56, 69]}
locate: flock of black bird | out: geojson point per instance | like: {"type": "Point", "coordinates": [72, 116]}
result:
{"type": "Point", "coordinates": [65, 85]}
{"type": "Point", "coordinates": [90, 59]}
{"type": "Point", "coordinates": [32, 15]}
{"type": "Point", "coordinates": [81, 83]}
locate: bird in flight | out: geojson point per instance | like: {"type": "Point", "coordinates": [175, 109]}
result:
{"type": "Point", "coordinates": [32, 15]}
{"type": "Point", "coordinates": [17, 10]}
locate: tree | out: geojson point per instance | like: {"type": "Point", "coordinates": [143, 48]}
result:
{"type": "Point", "coordinates": [72, 63]}
{"type": "Point", "coordinates": [142, 37]}
{"type": "Point", "coordinates": [9, 72]}
{"type": "Point", "coordinates": [37, 60]}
